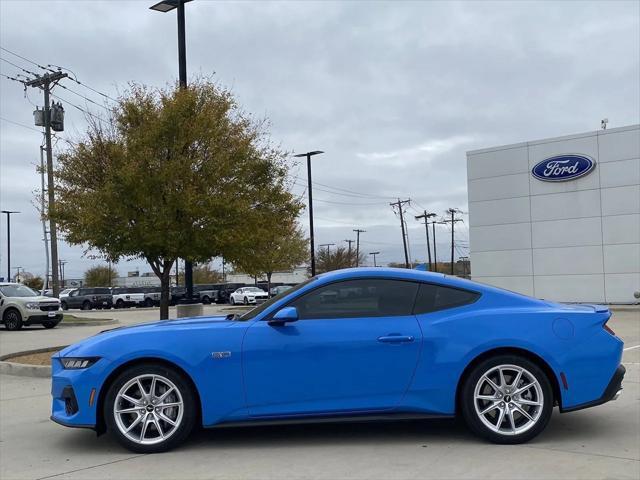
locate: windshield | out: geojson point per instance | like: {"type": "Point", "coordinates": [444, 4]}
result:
{"type": "Point", "coordinates": [17, 291]}
{"type": "Point", "coordinates": [262, 307]}
{"type": "Point", "coordinates": [254, 289]}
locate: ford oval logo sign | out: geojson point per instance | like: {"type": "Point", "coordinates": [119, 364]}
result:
{"type": "Point", "coordinates": [563, 167]}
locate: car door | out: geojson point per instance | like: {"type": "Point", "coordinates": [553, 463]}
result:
{"type": "Point", "coordinates": [354, 349]}
{"type": "Point", "coordinates": [73, 300]}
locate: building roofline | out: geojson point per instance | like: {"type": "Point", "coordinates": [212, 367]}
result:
{"type": "Point", "coordinates": [555, 139]}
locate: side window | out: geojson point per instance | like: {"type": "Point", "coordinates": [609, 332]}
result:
{"type": "Point", "coordinates": [433, 297]}
{"type": "Point", "coordinates": [358, 298]}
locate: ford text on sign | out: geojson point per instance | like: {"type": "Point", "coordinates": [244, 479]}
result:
{"type": "Point", "coordinates": [563, 167]}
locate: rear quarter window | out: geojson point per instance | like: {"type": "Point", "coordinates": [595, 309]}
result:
{"type": "Point", "coordinates": [433, 297]}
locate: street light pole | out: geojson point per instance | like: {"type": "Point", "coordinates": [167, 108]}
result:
{"type": "Point", "coordinates": [309, 188]}
{"type": "Point", "coordinates": [166, 6]}
{"type": "Point", "coordinates": [374, 258]}
{"type": "Point", "coordinates": [8, 214]}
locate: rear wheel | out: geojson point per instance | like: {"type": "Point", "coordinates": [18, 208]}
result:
{"type": "Point", "coordinates": [12, 319]}
{"type": "Point", "coordinates": [148, 302]}
{"type": "Point", "coordinates": [119, 303]}
{"type": "Point", "coordinates": [507, 399]}
{"type": "Point", "coordinates": [206, 300]}
{"type": "Point", "coordinates": [150, 408]}
{"type": "Point", "coordinates": [233, 301]}
{"type": "Point", "coordinates": [86, 305]}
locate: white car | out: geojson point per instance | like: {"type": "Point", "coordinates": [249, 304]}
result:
{"type": "Point", "coordinates": [128, 297]}
{"type": "Point", "coordinates": [19, 305]}
{"type": "Point", "coordinates": [248, 296]}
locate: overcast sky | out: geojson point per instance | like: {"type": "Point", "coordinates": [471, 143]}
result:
{"type": "Point", "coordinates": [395, 93]}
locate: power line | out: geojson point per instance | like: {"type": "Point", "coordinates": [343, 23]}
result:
{"type": "Point", "coordinates": [86, 98]}
{"type": "Point", "coordinates": [19, 67]}
{"type": "Point", "coordinates": [21, 124]}
{"type": "Point", "coordinates": [27, 60]}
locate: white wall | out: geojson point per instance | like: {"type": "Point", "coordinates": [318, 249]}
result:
{"type": "Point", "coordinates": [573, 241]}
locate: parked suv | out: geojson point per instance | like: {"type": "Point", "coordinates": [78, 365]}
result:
{"type": "Point", "coordinates": [207, 293]}
{"type": "Point", "coordinates": [19, 305]}
{"type": "Point", "coordinates": [127, 297]}
{"type": "Point", "coordinates": [88, 298]}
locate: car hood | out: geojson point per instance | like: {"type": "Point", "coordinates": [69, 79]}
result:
{"type": "Point", "coordinates": [165, 326]}
{"type": "Point", "coordinates": [39, 298]}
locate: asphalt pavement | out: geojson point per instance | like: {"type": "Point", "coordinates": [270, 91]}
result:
{"type": "Point", "coordinates": [601, 442]}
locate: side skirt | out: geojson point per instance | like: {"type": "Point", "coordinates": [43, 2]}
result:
{"type": "Point", "coordinates": [392, 417]}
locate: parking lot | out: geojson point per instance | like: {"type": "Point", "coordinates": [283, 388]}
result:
{"type": "Point", "coordinates": [602, 442]}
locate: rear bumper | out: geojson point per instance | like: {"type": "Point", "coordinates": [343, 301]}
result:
{"type": "Point", "coordinates": [612, 392]}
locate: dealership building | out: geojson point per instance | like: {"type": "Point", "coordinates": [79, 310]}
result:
{"type": "Point", "coordinates": [559, 218]}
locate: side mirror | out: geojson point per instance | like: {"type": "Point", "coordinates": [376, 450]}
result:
{"type": "Point", "coordinates": [285, 315]}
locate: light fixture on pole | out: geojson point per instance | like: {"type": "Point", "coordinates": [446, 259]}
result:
{"type": "Point", "coordinates": [311, 239]}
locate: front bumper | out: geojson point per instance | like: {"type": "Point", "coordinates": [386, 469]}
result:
{"type": "Point", "coordinates": [72, 403]}
{"type": "Point", "coordinates": [39, 317]}
{"type": "Point", "coordinates": [612, 392]}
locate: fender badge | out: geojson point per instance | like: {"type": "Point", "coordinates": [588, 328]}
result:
{"type": "Point", "coordinates": [220, 355]}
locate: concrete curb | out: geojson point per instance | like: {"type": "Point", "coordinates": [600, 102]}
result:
{"type": "Point", "coordinates": [24, 369]}
{"type": "Point", "coordinates": [88, 323]}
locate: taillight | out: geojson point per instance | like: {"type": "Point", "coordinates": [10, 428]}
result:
{"type": "Point", "coordinates": [608, 329]}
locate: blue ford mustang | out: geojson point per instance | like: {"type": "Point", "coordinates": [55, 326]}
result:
{"type": "Point", "coordinates": [348, 345]}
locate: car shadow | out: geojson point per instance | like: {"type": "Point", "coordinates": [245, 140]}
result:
{"type": "Point", "coordinates": [561, 429]}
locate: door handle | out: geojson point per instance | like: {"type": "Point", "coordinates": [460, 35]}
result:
{"type": "Point", "coordinates": [395, 339]}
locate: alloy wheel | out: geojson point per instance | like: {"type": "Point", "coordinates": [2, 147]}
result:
{"type": "Point", "coordinates": [508, 399]}
{"type": "Point", "coordinates": [148, 409]}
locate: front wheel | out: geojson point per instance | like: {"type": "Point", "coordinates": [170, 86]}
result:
{"type": "Point", "coordinates": [246, 301]}
{"type": "Point", "coordinates": [12, 319]}
{"type": "Point", "coordinates": [150, 408]}
{"type": "Point", "coordinates": [148, 302]}
{"type": "Point", "coordinates": [507, 399]}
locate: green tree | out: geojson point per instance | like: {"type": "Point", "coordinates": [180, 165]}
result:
{"type": "Point", "coordinates": [339, 257]}
{"type": "Point", "coordinates": [35, 282]}
{"type": "Point", "coordinates": [99, 276]}
{"type": "Point", "coordinates": [280, 249]}
{"type": "Point", "coordinates": [176, 173]}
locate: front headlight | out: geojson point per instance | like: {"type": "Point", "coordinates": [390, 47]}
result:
{"type": "Point", "coordinates": [75, 363]}
{"type": "Point", "coordinates": [31, 306]}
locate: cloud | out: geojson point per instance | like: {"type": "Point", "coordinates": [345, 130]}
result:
{"type": "Point", "coordinates": [393, 92]}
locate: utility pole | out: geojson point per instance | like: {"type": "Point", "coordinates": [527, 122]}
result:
{"type": "Point", "coordinates": [61, 264]}
{"type": "Point", "coordinates": [435, 253]}
{"type": "Point", "coordinates": [8, 213]}
{"type": "Point", "coordinates": [399, 204]}
{"type": "Point", "coordinates": [45, 82]}
{"type": "Point", "coordinates": [328, 245]}
{"type": "Point", "coordinates": [358, 232]}
{"type": "Point", "coordinates": [349, 250]}
{"type": "Point", "coordinates": [44, 221]}
{"type": "Point", "coordinates": [374, 257]}
{"type": "Point", "coordinates": [426, 217]}
{"type": "Point", "coordinates": [17, 277]}
{"type": "Point", "coordinates": [452, 221]}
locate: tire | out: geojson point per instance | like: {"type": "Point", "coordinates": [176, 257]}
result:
{"type": "Point", "coordinates": [64, 305]}
{"type": "Point", "coordinates": [500, 415]}
{"type": "Point", "coordinates": [119, 303]}
{"type": "Point", "coordinates": [232, 301]}
{"type": "Point", "coordinates": [148, 302]}
{"type": "Point", "coordinates": [206, 300]}
{"type": "Point", "coordinates": [12, 319]}
{"type": "Point", "coordinates": [184, 415]}
{"type": "Point", "coordinates": [246, 301]}
{"type": "Point", "coordinates": [86, 305]}
{"type": "Point", "coordinates": [50, 324]}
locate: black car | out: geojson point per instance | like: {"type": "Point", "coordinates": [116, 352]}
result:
{"type": "Point", "coordinates": [88, 298]}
